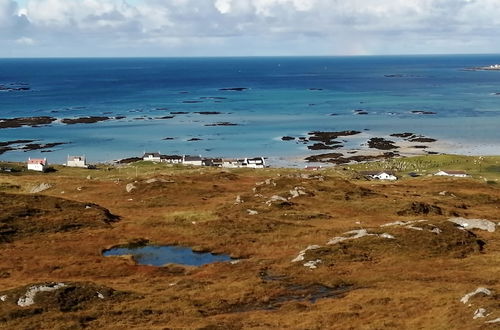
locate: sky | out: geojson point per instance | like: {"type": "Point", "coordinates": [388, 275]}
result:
{"type": "Point", "coordinates": [163, 28]}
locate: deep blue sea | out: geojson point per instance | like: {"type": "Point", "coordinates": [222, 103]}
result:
{"type": "Point", "coordinates": [285, 96]}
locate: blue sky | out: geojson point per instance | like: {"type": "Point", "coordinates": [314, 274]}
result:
{"type": "Point", "coordinates": [55, 28]}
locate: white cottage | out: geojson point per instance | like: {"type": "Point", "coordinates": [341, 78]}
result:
{"type": "Point", "coordinates": [77, 161]}
{"type": "Point", "coordinates": [37, 164]}
{"type": "Point", "coordinates": [192, 160]}
{"type": "Point", "coordinates": [152, 157]}
{"type": "Point", "coordinates": [171, 159]}
{"type": "Point", "coordinates": [258, 162]}
{"type": "Point", "coordinates": [384, 175]}
{"type": "Point", "coordinates": [229, 163]}
{"type": "Point", "coordinates": [457, 174]}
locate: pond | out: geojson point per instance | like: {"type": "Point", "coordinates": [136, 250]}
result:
{"type": "Point", "coordinates": [154, 255]}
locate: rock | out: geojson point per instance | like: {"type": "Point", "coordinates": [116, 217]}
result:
{"type": "Point", "coordinates": [29, 297]}
{"type": "Point", "coordinates": [302, 253]}
{"type": "Point", "coordinates": [25, 121]}
{"type": "Point", "coordinates": [297, 192]}
{"type": "Point", "coordinates": [497, 320]}
{"type": "Point", "coordinates": [84, 120]}
{"type": "Point", "coordinates": [356, 234]}
{"type": "Point", "coordinates": [89, 177]}
{"type": "Point", "coordinates": [41, 187]}
{"type": "Point", "coordinates": [130, 187]}
{"type": "Point", "coordinates": [276, 198]}
{"type": "Point", "coordinates": [252, 212]}
{"type": "Point", "coordinates": [474, 224]}
{"type": "Point", "coordinates": [479, 313]}
{"type": "Point", "coordinates": [234, 89]}
{"type": "Point", "coordinates": [381, 144]}
{"type": "Point", "coordinates": [465, 299]}
{"type": "Point", "coordinates": [149, 181]}
{"type": "Point", "coordinates": [238, 200]}
{"type": "Point", "coordinates": [313, 264]}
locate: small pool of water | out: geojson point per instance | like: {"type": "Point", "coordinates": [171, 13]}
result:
{"type": "Point", "coordinates": [153, 255]}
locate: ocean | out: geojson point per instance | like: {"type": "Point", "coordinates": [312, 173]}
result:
{"type": "Point", "coordinates": [242, 107]}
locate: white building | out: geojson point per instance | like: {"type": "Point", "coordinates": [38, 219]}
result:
{"type": "Point", "coordinates": [258, 162]}
{"type": "Point", "coordinates": [37, 164]}
{"type": "Point", "coordinates": [384, 175]}
{"type": "Point", "coordinates": [457, 174]}
{"type": "Point", "coordinates": [192, 160]}
{"type": "Point", "coordinates": [152, 157]}
{"type": "Point", "coordinates": [229, 163]}
{"type": "Point", "coordinates": [171, 159]}
{"type": "Point", "coordinates": [77, 161]}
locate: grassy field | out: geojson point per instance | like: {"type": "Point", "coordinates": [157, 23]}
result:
{"type": "Point", "coordinates": [409, 276]}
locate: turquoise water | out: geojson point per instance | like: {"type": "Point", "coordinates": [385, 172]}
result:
{"type": "Point", "coordinates": [285, 96]}
{"type": "Point", "coordinates": [162, 255]}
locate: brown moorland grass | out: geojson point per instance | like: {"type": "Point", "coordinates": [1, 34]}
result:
{"type": "Point", "coordinates": [414, 281]}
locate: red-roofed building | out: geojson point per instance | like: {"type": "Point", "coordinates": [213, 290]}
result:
{"type": "Point", "coordinates": [37, 164]}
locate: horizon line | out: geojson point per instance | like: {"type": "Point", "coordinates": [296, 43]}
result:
{"type": "Point", "coordinates": [246, 56]}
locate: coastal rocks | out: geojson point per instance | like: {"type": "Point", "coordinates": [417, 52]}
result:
{"type": "Point", "coordinates": [41, 187]}
{"type": "Point", "coordinates": [329, 137]}
{"type": "Point", "coordinates": [287, 138]}
{"type": "Point", "coordinates": [422, 112]}
{"type": "Point", "coordinates": [403, 135]}
{"type": "Point", "coordinates": [222, 123]}
{"type": "Point", "coordinates": [338, 158]}
{"type": "Point", "coordinates": [84, 120]}
{"type": "Point", "coordinates": [234, 89]}
{"type": "Point", "coordinates": [208, 113]}
{"type": "Point", "coordinates": [25, 121]}
{"type": "Point", "coordinates": [381, 144]}
{"type": "Point", "coordinates": [40, 146]}
{"type": "Point", "coordinates": [474, 224]}
{"type": "Point", "coordinates": [15, 87]}
{"type": "Point", "coordinates": [422, 140]}
{"type": "Point", "coordinates": [322, 146]}
{"type": "Point", "coordinates": [360, 112]}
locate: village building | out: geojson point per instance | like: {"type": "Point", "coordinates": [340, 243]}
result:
{"type": "Point", "coordinates": [152, 157]}
{"type": "Point", "coordinates": [171, 159]}
{"type": "Point", "coordinates": [257, 162]}
{"type": "Point", "coordinates": [213, 162]}
{"type": "Point", "coordinates": [37, 164]}
{"type": "Point", "coordinates": [457, 174]}
{"type": "Point", "coordinates": [76, 161]}
{"type": "Point", "coordinates": [229, 163]}
{"type": "Point", "coordinates": [192, 160]}
{"type": "Point", "coordinates": [377, 175]}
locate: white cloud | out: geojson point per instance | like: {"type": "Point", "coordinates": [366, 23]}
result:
{"type": "Point", "coordinates": [245, 26]}
{"type": "Point", "coordinates": [26, 41]}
